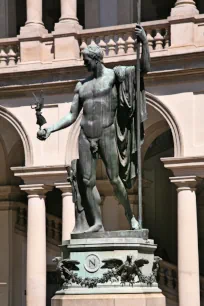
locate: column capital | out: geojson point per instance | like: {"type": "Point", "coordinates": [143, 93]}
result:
{"type": "Point", "coordinates": [36, 189]}
{"type": "Point", "coordinates": [189, 182]}
{"type": "Point", "coordinates": [64, 187]}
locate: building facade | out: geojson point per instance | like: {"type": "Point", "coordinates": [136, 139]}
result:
{"type": "Point", "coordinates": [40, 49]}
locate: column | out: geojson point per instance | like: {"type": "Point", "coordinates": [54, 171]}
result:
{"type": "Point", "coordinates": [66, 32]}
{"type": "Point", "coordinates": [188, 264]}
{"type": "Point", "coordinates": [36, 245]}
{"type": "Point", "coordinates": [68, 210]}
{"type": "Point", "coordinates": [69, 11]}
{"type": "Point", "coordinates": [183, 33]}
{"type": "Point", "coordinates": [184, 8]}
{"type": "Point", "coordinates": [31, 46]}
{"type": "Point", "coordinates": [68, 19]}
{"type": "Point", "coordinates": [34, 24]}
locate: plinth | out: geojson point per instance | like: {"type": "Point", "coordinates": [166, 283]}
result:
{"type": "Point", "coordinates": [109, 268]}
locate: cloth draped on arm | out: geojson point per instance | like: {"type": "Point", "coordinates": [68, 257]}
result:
{"type": "Point", "coordinates": [126, 122]}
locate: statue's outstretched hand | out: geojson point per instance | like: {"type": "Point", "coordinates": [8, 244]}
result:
{"type": "Point", "coordinates": [43, 134]}
{"type": "Point", "coordinates": [140, 33]}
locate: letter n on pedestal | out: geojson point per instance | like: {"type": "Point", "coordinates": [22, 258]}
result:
{"type": "Point", "coordinates": [36, 244]}
{"type": "Point", "coordinates": [188, 264]}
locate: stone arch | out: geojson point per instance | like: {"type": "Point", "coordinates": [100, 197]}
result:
{"type": "Point", "coordinates": [169, 121]}
{"type": "Point", "coordinates": [17, 125]}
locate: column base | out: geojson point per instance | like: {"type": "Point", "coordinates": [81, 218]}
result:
{"type": "Point", "coordinates": [152, 299]}
{"type": "Point", "coordinates": [30, 42]}
{"type": "Point", "coordinates": [33, 30]}
{"type": "Point", "coordinates": [67, 26]}
{"type": "Point", "coordinates": [184, 9]}
{"type": "Point", "coordinates": [66, 41]}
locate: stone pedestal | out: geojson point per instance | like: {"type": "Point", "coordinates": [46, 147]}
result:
{"type": "Point", "coordinates": [154, 299]}
{"type": "Point", "coordinates": [120, 262]}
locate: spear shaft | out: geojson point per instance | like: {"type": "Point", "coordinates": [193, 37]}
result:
{"type": "Point", "coordinates": [138, 103]}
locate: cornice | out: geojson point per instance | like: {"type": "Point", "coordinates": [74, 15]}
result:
{"type": "Point", "coordinates": [48, 175]}
{"type": "Point", "coordinates": [185, 166]}
{"type": "Point", "coordinates": [165, 66]}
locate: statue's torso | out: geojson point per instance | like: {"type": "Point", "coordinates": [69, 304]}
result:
{"type": "Point", "coordinates": [99, 99]}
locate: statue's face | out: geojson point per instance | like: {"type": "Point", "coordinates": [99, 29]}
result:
{"type": "Point", "coordinates": [89, 62]}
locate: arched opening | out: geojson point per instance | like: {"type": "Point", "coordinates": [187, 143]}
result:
{"type": "Point", "coordinates": [12, 154]}
{"type": "Point", "coordinates": [160, 197]}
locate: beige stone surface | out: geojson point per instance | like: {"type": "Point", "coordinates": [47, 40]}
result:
{"type": "Point", "coordinates": [175, 101]}
{"type": "Point", "coordinates": [110, 300]}
{"type": "Point", "coordinates": [184, 8]}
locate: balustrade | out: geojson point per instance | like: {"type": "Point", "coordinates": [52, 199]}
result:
{"type": "Point", "coordinates": [117, 42]}
{"type": "Point", "coordinates": [120, 40]}
{"type": "Point", "coordinates": [9, 52]}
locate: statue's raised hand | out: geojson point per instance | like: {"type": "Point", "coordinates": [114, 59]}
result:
{"type": "Point", "coordinates": [140, 34]}
{"type": "Point", "coordinates": [44, 134]}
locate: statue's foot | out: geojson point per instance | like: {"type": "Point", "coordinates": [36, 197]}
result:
{"type": "Point", "coordinates": [95, 228]}
{"type": "Point", "coordinates": [134, 224]}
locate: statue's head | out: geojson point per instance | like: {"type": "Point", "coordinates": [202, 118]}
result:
{"type": "Point", "coordinates": [92, 55]}
{"type": "Point", "coordinates": [129, 258]}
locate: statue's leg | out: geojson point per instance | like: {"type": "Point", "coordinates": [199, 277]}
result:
{"type": "Point", "coordinates": [87, 164]}
{"type": "Point", "coordinates": [109, 155]}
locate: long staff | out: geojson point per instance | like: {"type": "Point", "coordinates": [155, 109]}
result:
{"type": "Point", "coordinates": [138, 103]}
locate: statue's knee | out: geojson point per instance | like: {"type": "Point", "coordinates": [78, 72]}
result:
{"type": "Point", "coordinates": [114, 181]}
{"type": "Point", "coordinates": [88, 182]}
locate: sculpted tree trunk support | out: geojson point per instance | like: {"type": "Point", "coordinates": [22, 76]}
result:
{"type": "Point", "coordinates": [113, 113]}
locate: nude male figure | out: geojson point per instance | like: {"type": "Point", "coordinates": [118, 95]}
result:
{"type": "Point", "coordinates": [97, 96]}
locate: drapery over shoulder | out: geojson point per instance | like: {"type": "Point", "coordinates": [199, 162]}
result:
{"type": "Point", "coordinates": [126, 125]}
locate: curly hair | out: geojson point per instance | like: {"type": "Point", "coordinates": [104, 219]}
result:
{"type": "Point", "coordinates": [94, 52]}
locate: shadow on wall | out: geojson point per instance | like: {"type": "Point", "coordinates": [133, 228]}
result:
{"type": "Point", "coordinates": [160, 198]}
{"type": "Point", "coordinates": [11, 153]}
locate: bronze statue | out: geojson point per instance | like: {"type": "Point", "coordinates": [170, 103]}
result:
{"type": "Point", "coordinates": [108, 127]}
{"type": "Point", "coordinates": [38, 106]}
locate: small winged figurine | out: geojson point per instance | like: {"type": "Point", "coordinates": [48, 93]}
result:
{"type": "Point", "coordinates": [38, 109]}
{"type": "Point", "coordinates": [127, 270]}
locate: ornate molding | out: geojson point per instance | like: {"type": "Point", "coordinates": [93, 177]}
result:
{"type": "Point", "coordinates": [125, 272]}
{"type": "Point", "coordinates": [185, 166]}
{"type": "Point", "coordinates": [48, 175]}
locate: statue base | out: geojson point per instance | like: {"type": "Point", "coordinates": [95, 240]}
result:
{"type": "Point", "coordinates": [110, 300]}
{"type": "Point", "coordinates": [108, 263]}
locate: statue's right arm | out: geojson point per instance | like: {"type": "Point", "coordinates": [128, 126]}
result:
{"type": "Point", "coordinates": [66, 121]}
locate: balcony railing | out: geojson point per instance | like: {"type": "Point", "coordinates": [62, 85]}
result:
{"type": "Point", "coordinates": [120, 40]}
{"type": "Point", "coordinates": [9, 52]}
{"type": "Point", "coordinates": [117, 42]}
